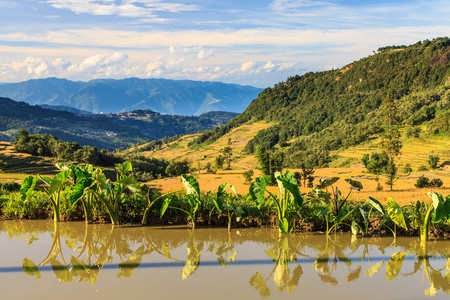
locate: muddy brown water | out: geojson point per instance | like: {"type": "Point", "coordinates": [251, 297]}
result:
{"type": "Point", "coordinates": [43, 260]}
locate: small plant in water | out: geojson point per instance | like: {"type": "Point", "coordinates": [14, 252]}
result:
{"type": "Point", "coordinates": [192, 195]}
{"type": "Point", "coordinates": [288, 202]}
{"type": "Point", "coordinates": [225, 200]}
{"type": "Point", "coordinates": [336, 212]}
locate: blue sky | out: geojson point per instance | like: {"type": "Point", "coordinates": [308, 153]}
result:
{"type": "Point", "coordinates": [253, 42]}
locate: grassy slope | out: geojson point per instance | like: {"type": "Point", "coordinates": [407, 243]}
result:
{"type": "Point", "coordinates": [347, 164]}
{"type": "Point", "coordinates": [19, 165]}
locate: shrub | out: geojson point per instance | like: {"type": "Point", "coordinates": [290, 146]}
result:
{"type": "Point", "coordinates": [436, 182]}
{"type": "Point", "coordinates": [422, 182]}
{"type": "Point", "coordinates": [407, 169]}
{"type": "Point", "coordinates": [433, 161]}
{"type": "Point", "coordinates": [422, 168]}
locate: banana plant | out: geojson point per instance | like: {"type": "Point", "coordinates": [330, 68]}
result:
{"type": "Point", "coordinates": [152, 199]}
{"type": "Point", "coordinates": [123, 169]}
{"type": "Point", "coordinates": [393, 212]}
{"type": "Point", "coordinates": [53, 189]}
{"type": "Point", "coordinates": [435, 213]}
{"type": "Point", "coordinates": [228, 203]}
{"type": "Point", "coordinates": [336, 203]}
{"type": "Point", "coordinates": [112, 194]}
{"type": "Point", "coordinates": [288, 202]}
{"type": "Point", "coordinates": [83, 190]}
{"type": "Point", "coordinates": [193, 196]}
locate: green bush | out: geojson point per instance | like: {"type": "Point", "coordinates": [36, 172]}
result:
{"type": "Point", "coordinates": [422, 168]}
{"type": "Point", "coordinates": [433, 161]}
{"type": "Point", "coordinates": [422, 182]}
{"type": "Point", "coordinates": [37, 206]}
{"type": "Point", "coordinates": [407, 169]}
{"type": "Point", "coordinates": [436, 182]}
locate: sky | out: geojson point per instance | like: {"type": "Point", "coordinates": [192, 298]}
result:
{"type": "Point", "coordinates": [251, 42]}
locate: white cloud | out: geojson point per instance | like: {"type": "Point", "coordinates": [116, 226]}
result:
{"type": "Point", "coordinates": [124, 8]}
{"type": "Point", "coordinates": [328, 68]}
{"type": "Point", "coordinates": [100, 64]}
{"type": "Point", "coordinates": [205, 53]}
{"type": "Point", "coordinates": [269, 66]}
{"type": "Point", "coordinates": [248, 66]}
{"type": "Point", "coordinates": [172, 50]}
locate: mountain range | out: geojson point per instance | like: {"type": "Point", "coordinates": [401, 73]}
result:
{"type": "Point", "coordinates": [107, 131]}
{"type": "Point", "coordinates": [181, 97]}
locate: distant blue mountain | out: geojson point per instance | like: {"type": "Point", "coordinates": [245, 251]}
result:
{"type": "Point", "coordinates": [182, 97]}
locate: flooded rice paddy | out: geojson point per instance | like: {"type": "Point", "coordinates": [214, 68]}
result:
{"type": "Point", "coordinates": [43, 260]}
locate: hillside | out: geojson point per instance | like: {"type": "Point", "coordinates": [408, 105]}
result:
{"type": "Point", "coordinates": [180, 97]}
{"type": "Point", "coordinates": [107, 131]}
{"type": "Point", "coordinates": [320, 112]}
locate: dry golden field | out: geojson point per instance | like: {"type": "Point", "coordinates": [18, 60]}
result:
{"type": "Point", "coordinates": [345, 165]}
{"type": "Point", "coordinates": [415, 151]}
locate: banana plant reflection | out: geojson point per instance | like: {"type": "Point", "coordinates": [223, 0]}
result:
{"type": "Point", "coordinates": [282, 254]}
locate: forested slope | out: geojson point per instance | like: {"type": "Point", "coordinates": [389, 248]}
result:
{"type": "Point", "coordinates": [328, 110]}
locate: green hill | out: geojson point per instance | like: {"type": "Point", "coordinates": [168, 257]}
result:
{"type": "Point", "coordinates": [323, 111]}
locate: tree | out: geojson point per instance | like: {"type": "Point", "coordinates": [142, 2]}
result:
{"type": "Point", "coordinates": [248, 176]}
{"type": "Point", "coordinates": [433, 161]}
{"type": "Point", "coordinates": [376, 164]}
{"type": "Point", "coordinates": [270, 162]}
{"type": "Point", "coordinates": [177, 168]}
{"type": "Point", "coordinates": [228, 153]}
{"type": "Point", "coordinates": [306, 173]}
{"type": "Point", "coordinates": [390, 143]}
{"type": "Point", "coordinates": [219, 161]}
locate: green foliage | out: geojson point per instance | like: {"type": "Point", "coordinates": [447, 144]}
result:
{"type": "Point", "coordinates": [340, 108]}
{"type": "Point", "coordinates": [193, 198]}
{"type": "Point", "coordinates": [288, 201]}
{"type": "Point", "coordinates": [376, 163]}
{"type": "Point", "coordinates": [413, 131]}
{"type": "Point", "coordinates": [248, 176]}
{"type": "Point", "coordinates": [424, 182]}
{"type": "Point", "coordinates": [433, 161]}
{"type": "Point", "coordinates": [270, 162]}
{"type": "Point", "coordinates": [424, 214]}
{"type": "Point", "coordinates": [422, 168]}
{"type": "Point", "coordinates": [50, 146]}
{"type": "Point", "coordinates": [36, 206]}
{"type": "Point", "coordinates": [334, 202]}
{"type": "Point", "coordinates": [224, 201]}
{"type": "Point", "coordinates": [177, 168]}
{"type": "Point", "coordinates": [9, 186]}
{"type": "Point", "coordinates": [407, 169]}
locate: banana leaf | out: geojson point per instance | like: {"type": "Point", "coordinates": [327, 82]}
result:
{"type": "Point", "coordinates": [395, 213]}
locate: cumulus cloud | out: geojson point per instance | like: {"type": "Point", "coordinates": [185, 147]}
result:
{"type": "Point", "coordinates": [269, 66]}
{"type": "Point", "coordinates": [99, 63]}
{"type": "Point", "coordinates": [205, 53]}
{"type": "Point", "coordinates": [248, 66]}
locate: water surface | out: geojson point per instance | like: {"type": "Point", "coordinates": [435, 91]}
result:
{"type": "Point", "coordinates": [43, 260]}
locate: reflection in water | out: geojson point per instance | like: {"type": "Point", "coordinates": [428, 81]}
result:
{"type": "Point", "coordinates": [80, 253]}
{"type": "Point", "coordinates": [282, 254]}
